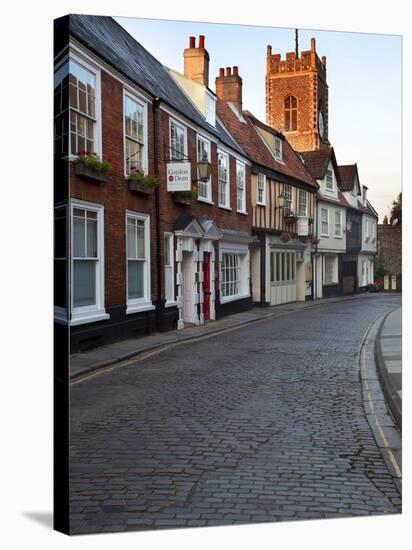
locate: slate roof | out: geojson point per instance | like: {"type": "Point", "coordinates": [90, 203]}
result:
{"type": "Point", "coordinates": [340, 201]}
{"type": "Point", "coordinates": [112, 43]}
{"type": "Point", "coordinates": [255, 148]}
{"type": "Point", "coordinates": [347, 174]}
{"type": "Point", "coordinates": [368, 209]}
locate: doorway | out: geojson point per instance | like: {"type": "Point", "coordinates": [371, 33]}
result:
{"type": "Point", "coordinates": [206, 286]}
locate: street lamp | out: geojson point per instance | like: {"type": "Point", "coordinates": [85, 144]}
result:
{"type": "Point", "coordinates": [203, 169]}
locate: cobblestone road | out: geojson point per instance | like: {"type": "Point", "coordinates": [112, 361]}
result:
{"type": "Point", "coordinates": [265, 423]}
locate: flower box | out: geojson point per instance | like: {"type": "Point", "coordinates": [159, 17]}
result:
{"type": "Point", "coordinates": [139, 187]}
{"type": "Point", "coordinates": [89, 173]}
{"type": "Point", "coordinates": [179, 198]}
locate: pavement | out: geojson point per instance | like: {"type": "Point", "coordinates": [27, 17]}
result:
{"type": "Point", "coordinates": [389, 361]}
{"type": "Point", "coordinates": [86, 362]}
{"type": "Point", "coordinates": [281, 419]}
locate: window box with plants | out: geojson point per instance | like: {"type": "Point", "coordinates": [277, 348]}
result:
{"type": "Point", "coordinates": [185, 197]}
{"type": "Point", "coordinates": [139, 182]}
{"type": "Point", "coordinates": [89, 166]}
{"type": "Point", "coordinates": [289, 216]}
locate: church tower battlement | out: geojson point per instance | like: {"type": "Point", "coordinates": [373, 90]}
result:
{"type": "Point", "coordinates": [297, 98]}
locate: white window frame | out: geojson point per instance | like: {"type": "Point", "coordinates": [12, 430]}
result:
{"type": "Point", "coordinates": [182, 127]}
{"type": "Point", "coordinates": [145, 303]}
{"type": "Point", "coordinates": [288, 197]}
{"type": "Point", "coordinates": [278, 149]}
{"type": "Point", "coordinates": [136, 99]}
{"type": "Point", "coordinates": [338, 235]}
{"type": "Point", "coordinates": [98, 106]}
{"type": "Point", "coordinates": [95, 312]}
{"type": "Point", "coordinates": [367, 235]}
{"type": "Point", "coordinates": [226, 205]}
{"type": "Point", "coordinates": [170, 300]}
{"type": "Point", "coordinates": [261, 189]}
{"type": "Point", "coordinates": [208, 184]}
{"type": "Point", "coordinates": [322, 222]}
{"type": "Point", "coordinates": [242, 166]}
{"type": "Point", "coordinates": [329, 172]}
{"type": "Point", "coordinates": [243, 282]}
{"type": "Point", "coordinates": [303, 193]}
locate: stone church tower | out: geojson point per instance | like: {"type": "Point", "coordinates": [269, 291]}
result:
{"type": "Point", "coordinates": [297, 98]}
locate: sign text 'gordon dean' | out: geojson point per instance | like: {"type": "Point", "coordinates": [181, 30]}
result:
{"type": "Point", "coordinates": [178, 176]}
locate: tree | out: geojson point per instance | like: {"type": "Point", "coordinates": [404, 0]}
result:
{"type": "Point", "coordinates": [396, 210]}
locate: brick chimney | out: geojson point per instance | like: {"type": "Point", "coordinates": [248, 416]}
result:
{"type": "Point", "coordinates": [385, 220]}
{"type": "Point", "coordinates": [196, 61]}
{"type": "Point", "coordinates": [229, 86]}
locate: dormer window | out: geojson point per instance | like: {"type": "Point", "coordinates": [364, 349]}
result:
{"type": "Point", "coordinates": [291, 114]}
{"type": "Point", "coordinates": [329, 180]}
{"type": "Point", "coordinates": [278, 148]}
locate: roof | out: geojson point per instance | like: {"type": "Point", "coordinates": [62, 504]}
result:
{"type": "Point", "coordinates": [347, 174]}
{"type": "Point", "coordinates": [112, 43]}
{"type": "Point", "coordinates": [368, 209]}
{"type": "Point", "coordinates": [316, 162]}
{"type": "Point", "coordinates": [340, 201]}
{"type": "Point", "coordinates": [255, 148]}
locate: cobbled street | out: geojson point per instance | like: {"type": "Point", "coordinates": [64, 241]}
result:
{"type": "Point", "coordinates": [264, 423]}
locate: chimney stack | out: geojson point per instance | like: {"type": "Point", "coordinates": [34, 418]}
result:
{"type": "Point", "coordinates": [229, 86]}
{"type": "Point", "coordinates": [196, 61]}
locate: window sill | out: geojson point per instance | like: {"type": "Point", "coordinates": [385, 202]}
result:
{"type": "Point", "coordinates": [260, 203]}
{"type": "Point", "coordinates": [225, 207]}
{"type": "Point", "coordinates": [137, 308]}
{"type": "Point", "coordinates": [91, 317]}
{"type": "Point", "coordinates": [338, 237]}
{"type": "Point", "coordinates": [206, 201]}
{"type": "Point", "coordinates": [242, 212]}
{"type": "Point", "coordinates": [233, 298]}
{"type": "Point", "coordinates": [171, 304]}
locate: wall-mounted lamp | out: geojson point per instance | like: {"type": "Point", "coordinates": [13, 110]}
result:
{"type": "Point", "coordinates": [349, 226]}
{"type": "Point", "coordinates": [281, 200]}
{"type": "Point", "coordinates": [204, 168]}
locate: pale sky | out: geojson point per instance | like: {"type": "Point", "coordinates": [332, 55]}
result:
{"type": "Point", "coordinates": [363, 73]}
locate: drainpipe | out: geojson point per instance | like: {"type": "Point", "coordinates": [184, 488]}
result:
{"type": "Point", "coordinates": [159, 308]}
{"type": "Point", "coordinates": [262, 244]}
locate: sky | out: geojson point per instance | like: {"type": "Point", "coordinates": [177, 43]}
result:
{"type": "Point", "coordinates": [363, 74]}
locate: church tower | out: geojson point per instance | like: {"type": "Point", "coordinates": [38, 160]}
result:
{"type": "Point", "coordinates": [297, 98]}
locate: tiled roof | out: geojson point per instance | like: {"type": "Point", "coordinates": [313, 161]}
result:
{"type": "Point", "coordinates": [111, 42]}
{"type": "Point", "coordinates": [253, 145]}
{"type": "Point", "coordinates": [347, 174]}
{"type": "Point", "coordinates": [341, 201]}
{"type": "Point", "coordinates": [368, 209]}
{"type": "Point", "coordinates": [316, 162]}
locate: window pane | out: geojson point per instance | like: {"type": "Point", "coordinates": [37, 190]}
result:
{"type": "Point", "coordinates": [167, 249]}
{"type": "Point", "coordinates": [78, 238]}
{"type": "Point", "coordinates": [135, 284]}
{"type": "Point", "coordinates": [84, 283]}
{"type": "Point", "coordinates": [140, 229]}
{"type": "Point", "coordinates": [131, 239]}
{"type": "Point", "coordinates": [91, 239]}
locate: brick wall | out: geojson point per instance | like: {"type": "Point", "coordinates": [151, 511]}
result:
{"type": "Point", "coordinates": [389, 254]}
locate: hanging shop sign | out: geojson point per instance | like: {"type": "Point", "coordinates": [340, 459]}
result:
{"type": "Point", "coordinates": [178, 176]}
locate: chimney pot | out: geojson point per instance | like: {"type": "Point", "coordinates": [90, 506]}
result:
{"type": "Point", "coordinates": [201, 41]}
{"type": "Point", "coordinates": [235, 70]}
{"type": "Point", "coordinates": [192, 42]}
{"type": "Point", "coordinates": [269, 50]}
{"type": "Point", "coordinates": [324, 60]}
{"type": "Point", "coordinates": [228, 71]}
{"type": "Point", "coordinates": [221, 71]}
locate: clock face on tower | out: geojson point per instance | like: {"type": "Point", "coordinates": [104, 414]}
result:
{"type": "Point", "coordinates": [321, 124]}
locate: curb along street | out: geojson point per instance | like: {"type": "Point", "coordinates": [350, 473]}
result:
{"type": "Point", "coordinates": [385, 431]}
{"type": "Point", "coordinates": [95, 361]}
{"type": "Point", "coordinates": [391, 394]}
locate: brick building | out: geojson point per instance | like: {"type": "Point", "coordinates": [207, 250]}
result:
{"type": "Point", "coordinates": [138, 259]}
{"type": "Point", "coordinates": [389, 253]}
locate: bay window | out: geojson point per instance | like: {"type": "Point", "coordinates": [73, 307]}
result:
{"type": "Point", "coordinates": [240, 186]}
{"type": "Point", "coordinates": [178, 141]}
{"type": "Point", "coordinates": [87, 265]}
{"type": "Point", "coordinates": [261, 185]}
{"type": "Point", "coordinates": [138, 262]}
{"type": "Point", "coordinates": [230, 275]}
{"type": "Point", "coordinates": [134, 134]}
{"type": "Point", "coordinates": [330, 270]}
{"type": "Point", "coordinates": [223, 179]}
{"type": "Point", "coordinates": [203, 153]}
